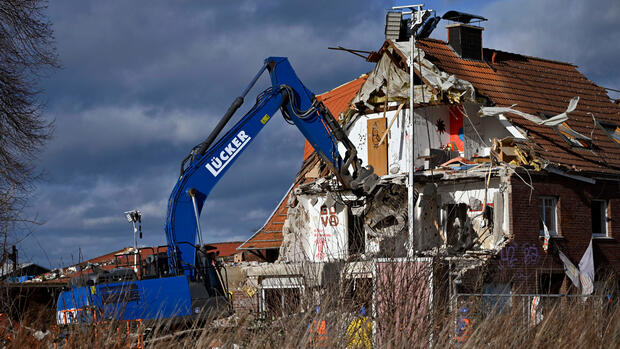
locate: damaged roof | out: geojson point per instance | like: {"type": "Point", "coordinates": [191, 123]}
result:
{"type": "Point", "coordinates": [338, 101]}
{"type": "Point", "coordinates": [540, 87]}
{"type": "Point", "coordinates": [269, 236]}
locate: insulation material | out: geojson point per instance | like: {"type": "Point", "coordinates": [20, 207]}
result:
{"type": "Point", "coordinates": [396, 90]}
{"type": "Point", "coordinates": [314, 231]}
{"type": "Point", "coordinates": [377, 153]}
{"type": "Point", "coordinates": [455, 89]}
{"type": "Point", "coordinates": [388, 79]}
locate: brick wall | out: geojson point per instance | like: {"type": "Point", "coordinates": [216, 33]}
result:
{"type": "Point", "coordinates": [524, 259]}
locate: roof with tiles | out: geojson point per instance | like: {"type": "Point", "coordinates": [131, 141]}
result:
{"type": "Point", "coordinates": [226, 249]}
{"type": "Point", "coordinates": [539, 86]}
{"type": "Point", "coordinates": [269, 236]}
{"type": "Point", "coordinates": [338, 101]}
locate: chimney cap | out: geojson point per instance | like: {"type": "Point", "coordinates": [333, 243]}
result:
{"type": "Point", "coordinates": [462, 17]}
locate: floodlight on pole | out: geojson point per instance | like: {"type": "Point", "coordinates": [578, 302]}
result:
{"type": "Point", "coordinates": [135, 218]}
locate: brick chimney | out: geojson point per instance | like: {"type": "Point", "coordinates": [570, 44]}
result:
{"type": "Point", "coordinates": [466, 40]}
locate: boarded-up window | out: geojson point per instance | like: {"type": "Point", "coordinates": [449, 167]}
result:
{"type": "Point", "coordinates": [377, 154]}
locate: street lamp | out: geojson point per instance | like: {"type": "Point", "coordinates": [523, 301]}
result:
{"type": "Point", "coordinates": [135, 218]}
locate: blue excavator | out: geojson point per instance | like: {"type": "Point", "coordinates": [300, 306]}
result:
{"type": "Point", "coordinates": [183, 282]}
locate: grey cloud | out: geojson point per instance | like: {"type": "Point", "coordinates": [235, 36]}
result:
{"type": "Point", "coordinates": [584, 33]}
{"type": "Point", "coordinates": [145, 81]}
{"type": "Point", "coordinates": [122, 52]}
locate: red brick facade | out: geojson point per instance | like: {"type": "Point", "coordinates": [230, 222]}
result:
{"type": "Point", "coordinates": [523, 260]}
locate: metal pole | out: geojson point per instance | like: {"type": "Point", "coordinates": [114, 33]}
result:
{"type": "Point", "coordinates": [410, 182]}
{"type": "Point", "coordinates": [135, 247]}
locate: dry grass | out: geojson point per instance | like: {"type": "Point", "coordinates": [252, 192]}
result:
{"type": "Point", "coordinates": [401, 315]}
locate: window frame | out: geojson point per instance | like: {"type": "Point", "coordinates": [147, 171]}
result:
{"type": "Point", "coordinates": [542, 208]}
{"type": "Point", "coordinates": [604, 219]}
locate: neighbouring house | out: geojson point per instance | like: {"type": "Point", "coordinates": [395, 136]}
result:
{"type": "Point", "coordinates": [515, 186]}
{"type": "Point", "coordinates": [224, 252]}
{"type": "Point", "coordinates": [20, 272]}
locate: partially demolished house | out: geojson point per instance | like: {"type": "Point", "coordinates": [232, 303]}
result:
{"type": "Point", "coordinates": [516, 167]}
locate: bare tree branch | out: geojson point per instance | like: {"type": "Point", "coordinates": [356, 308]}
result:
{"type": "Point", "coordinates": [26, 52]}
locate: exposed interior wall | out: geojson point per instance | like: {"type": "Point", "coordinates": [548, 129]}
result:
{"type": "Point", "coordinates": [454, 214]}
{"type": "Point", "coordinates": [398, 140]}
{"type": "Point", "coordinates": [445, 126]}
{"type": "Point", "coordinates": [478, 133]}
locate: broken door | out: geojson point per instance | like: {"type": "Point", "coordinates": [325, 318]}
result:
{"type": "Point", "coordinates": [377, 153]}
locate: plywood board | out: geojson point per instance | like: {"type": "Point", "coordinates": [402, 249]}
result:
{"type": "Point", "coordinates": [377, 154]}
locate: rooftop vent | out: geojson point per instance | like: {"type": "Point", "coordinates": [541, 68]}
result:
{"type": "Point", "coordinates": [464, 35]}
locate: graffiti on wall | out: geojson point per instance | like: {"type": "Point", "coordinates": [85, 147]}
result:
{"type": "Point", "coordinates": [328, 217]}
{"type": "Point", "coordinates": [516, 255]}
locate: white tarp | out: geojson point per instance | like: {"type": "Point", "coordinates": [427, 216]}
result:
{"type": "Point", "coordinates": [586, 271]}
{"type": "Point", "coordinates": [571, 270]}
{"type": "Point", "coordinates": [554, 122]}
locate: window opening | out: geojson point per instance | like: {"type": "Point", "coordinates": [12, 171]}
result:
{"type": "Point", "coordinates": [599, 218]}
{"type": "Point", "coordinates": [549, 215]}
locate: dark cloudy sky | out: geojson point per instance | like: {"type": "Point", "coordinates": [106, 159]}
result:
{"type": "Point", "coordinates": [144, 81]}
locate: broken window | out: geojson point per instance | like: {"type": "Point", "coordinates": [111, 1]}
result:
{"type": "Point", "coordinates": [456, 219]}
{"type": "Point", "coordinates": [549, 215]}
{"type": "Point", "coordinates": [279, 302]}
{"type": "Point", "coordinates": [357, 236]}
{"type": "Point", "coordinates": [599, 218]}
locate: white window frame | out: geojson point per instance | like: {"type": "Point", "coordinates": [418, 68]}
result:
{"type": "Point", "coordinates": [604, 220]}
{"type": "Point", "coordinates": [279, 283]}
{"type": "Point", "coordinates": [543, 202]}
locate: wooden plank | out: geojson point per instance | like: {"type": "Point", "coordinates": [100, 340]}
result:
{"type": "Point", "coordinates": [377, 151]}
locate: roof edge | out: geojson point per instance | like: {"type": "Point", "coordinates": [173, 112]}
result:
{"type": "Point", "coordinates": [268, 219]}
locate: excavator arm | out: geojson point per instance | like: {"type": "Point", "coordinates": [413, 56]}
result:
{"type": "Point", "coordinates": [210, 160]}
